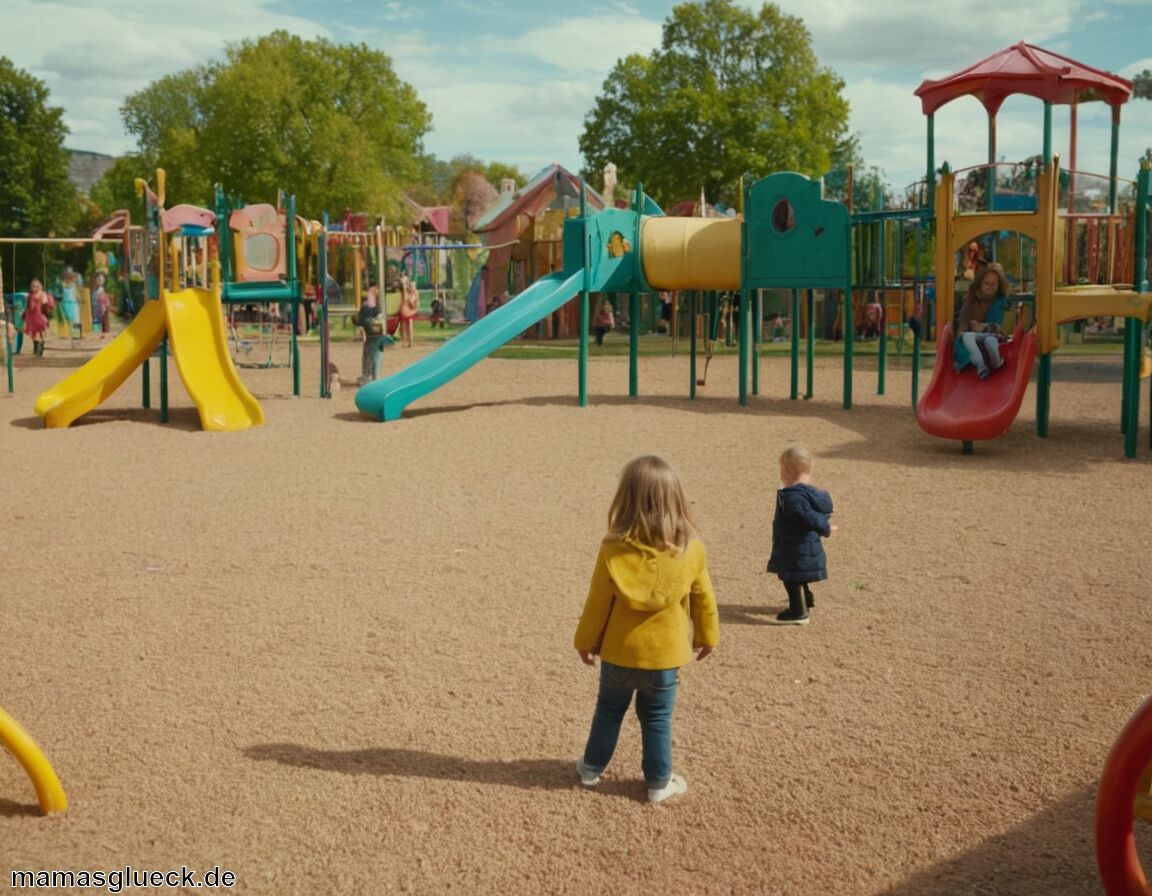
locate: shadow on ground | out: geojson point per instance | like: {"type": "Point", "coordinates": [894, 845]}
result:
{"type": "Point", "coordinates": [1051, 853]}
{"type": "Point", "coordinates": [527, 774]}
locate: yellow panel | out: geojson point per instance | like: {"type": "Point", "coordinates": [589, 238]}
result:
{"type": "Point", "coordinates": [691, 253]}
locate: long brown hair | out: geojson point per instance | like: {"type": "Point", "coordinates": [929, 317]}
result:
{"type": "Point", "coordinates": [973, 295]}
{"type": "Point", "coordinates": [650, 506]}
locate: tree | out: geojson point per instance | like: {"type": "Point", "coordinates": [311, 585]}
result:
{"type": "Point", "coordinates": [473, 194]}
{"type": "Point", "coordinates": [869, 189]}
{"type": "Point", "coordinates": [439, 179]}
{"type": "Point", "coordinates": [1142, 88]}
{"type": "Point", "coordinates": [332, 124]}
{"type": "Point", "coordinates": [36, 197]}
{"type": "Point", "coordinates": [729, 93]}
{"type": "Point", "coordinates": [464, 182]}
{"type": "Point", "coordinates": [1142, 85]}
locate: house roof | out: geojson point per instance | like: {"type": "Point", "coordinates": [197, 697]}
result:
{"type": "Point", "coordinates": [437, 216]}
{"type": "Point", "coordinates": [1024, 68]}
{"type": "Point", "coordinates": [539, 193]}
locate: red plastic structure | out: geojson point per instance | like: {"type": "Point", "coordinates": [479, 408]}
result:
{"type": "Point", "coordinates": [1125, 776]}
{"type": "Point", "coordinates": [963, 406]}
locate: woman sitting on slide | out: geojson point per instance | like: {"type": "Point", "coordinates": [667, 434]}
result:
{"type": "Point", "coordinates": [978, 323]}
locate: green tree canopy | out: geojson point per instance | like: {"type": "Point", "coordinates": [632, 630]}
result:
{"type": "Point", "coordinates": [869, 189]}
{"type": "Point", "coordinates": [730, 92]}
{"type": "Point", "coordinates": [331, 123]}
{"type": "Point", "coordinates": [36, 197]}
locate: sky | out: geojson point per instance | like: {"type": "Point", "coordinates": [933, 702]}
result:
{"type": "Point", "coordinates": [512, 80]}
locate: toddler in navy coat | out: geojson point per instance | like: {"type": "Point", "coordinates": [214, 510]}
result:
{"type": "Point", "coordinates": [801, 519]}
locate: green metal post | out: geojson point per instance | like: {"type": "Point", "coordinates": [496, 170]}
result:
{"type": "Point", "coordinates": [848, 343]}
{"type": "Point", "coordinates": [991, 163]}
{"type": "Point", "coordinates": [1113, 167]}
{"type": "Point", "coordinates": [634, 342]}
{"type": "Point", "coordinates": [882, 280]}
{"type": "Point", "coordinates": [883, 348]}
{"type": "Point", "coordinates": [916, 367]}
{"type": "Point", "coordinates": [1044, 370]}
{"type": "Point", "coordinates": [794, 391]}
{"type": "Point", "coordinates": [1043, 394]}
{"type": "Point", "coordinates": [146, 383]}
{"type": "Point", "coordinates": [757, 311]}
{"type": "Point", "coordinates": [744, 301]}
{"type": "Point", "coordinates": [746, 341]}
{"type": "Point", "coordinates": [1133, 344]}
{"type": "Point", "coordinates": [693, 308]}
{"type": "Point", "coordinates": [811, 342]}
{"type": "Point", "coordinates": [930, 175]}
{"type": "Point", "coordinates": [164, 380]}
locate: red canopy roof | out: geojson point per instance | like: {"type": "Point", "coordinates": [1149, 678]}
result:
{"type": "Point", "coordinates": [1030, 70]}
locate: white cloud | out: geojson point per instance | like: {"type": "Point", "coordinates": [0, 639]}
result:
{"type": "Point", "coordinates": [503, 93]}
{"type": "Point", "coordinates": [899, 33]}
{"type": "Point", "coordinates": [590, 45]}
{"type": "Point", "coordinates": [97, 54]}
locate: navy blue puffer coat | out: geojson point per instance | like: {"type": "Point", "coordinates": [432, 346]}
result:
{"type": "Point", "coordinates": [801, 519]}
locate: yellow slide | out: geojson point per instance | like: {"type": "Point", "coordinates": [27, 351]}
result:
{"type": "Point", "coordinates": [85, 389]}
{"type": "Point", "coordinates": [200, 344]}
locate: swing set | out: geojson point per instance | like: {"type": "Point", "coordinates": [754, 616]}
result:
{"type": "Point", "coordinates": [15, 302]}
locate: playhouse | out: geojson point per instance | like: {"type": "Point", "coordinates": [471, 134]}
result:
{"type": "Point", "coordinates": [524, 233]}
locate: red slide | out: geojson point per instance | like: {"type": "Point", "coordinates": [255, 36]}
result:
{"type": "Point", "coordinates": [963, 406]}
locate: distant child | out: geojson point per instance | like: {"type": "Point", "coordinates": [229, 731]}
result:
{"type": "Point", "coordinates": [978, 323]}
{"type": "Point", "coordinates": [436, 313]}
{"type": "Point", "coordinates": [605, 321]}
{"type": "Point", "coordinates": [801, 519]}
{"type": "Point", "coordinates": [101, 304]}
{"type": "Point", "coordinates": [370, 318]}
{"type": "Point", "coordinates": [650, 604]}
{"type": "Point", "coordinates": [409, 306]}
{"type": "Point", "coordinates": [776, 327]}
{"type": "Point", "coordinates": [36, 315]}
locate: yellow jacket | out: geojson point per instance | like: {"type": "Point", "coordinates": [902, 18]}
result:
{"type": "Point", "coordinates": [648, 609]}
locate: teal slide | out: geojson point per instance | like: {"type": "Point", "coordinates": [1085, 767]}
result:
{"type": "Point", "coordinates": [386, 398]}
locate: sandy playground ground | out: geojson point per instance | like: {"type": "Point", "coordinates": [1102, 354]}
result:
{"type": "Point", "coordinates": [334, 656]}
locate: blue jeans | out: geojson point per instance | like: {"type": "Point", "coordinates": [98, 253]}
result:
{"type": "Point", "coordinates": [370, 357]}
{"type": "Point", "coordinates": [655, 700]}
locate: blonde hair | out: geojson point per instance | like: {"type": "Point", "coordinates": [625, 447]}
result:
{"type": "Point", "coordinates": [796, 460]}
{"type": "Point", "coordinates": [650, 506]}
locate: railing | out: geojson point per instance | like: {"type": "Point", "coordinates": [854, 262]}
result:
{"type": "Point", "coordinates": [1080, 192]}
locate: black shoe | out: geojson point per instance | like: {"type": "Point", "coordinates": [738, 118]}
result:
{"type": "Point", "coordinates": [791, 617]}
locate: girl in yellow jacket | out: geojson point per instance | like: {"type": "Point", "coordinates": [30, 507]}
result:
{"type": "Point", "coordinates": [650, 604]}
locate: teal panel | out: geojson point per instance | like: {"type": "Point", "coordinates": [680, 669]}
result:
{"type": "Point", "coordinates": [614, 254]}
{"type": "Point", "coordinates": [793, 238]}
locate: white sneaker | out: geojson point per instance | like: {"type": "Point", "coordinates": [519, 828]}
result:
{"type": "Point", "coordinates": [587, 778]}
{"type": "Point", "coordinates": [675, 785]}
